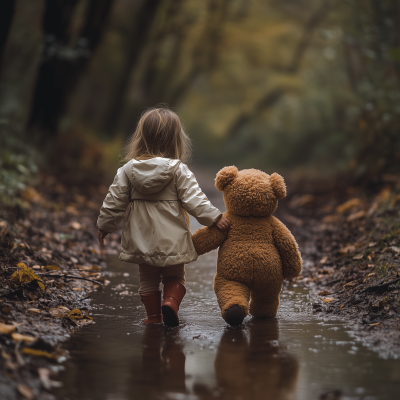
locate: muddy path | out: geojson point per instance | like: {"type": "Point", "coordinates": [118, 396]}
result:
{"type": "Point", "coordinates": [295, 356]}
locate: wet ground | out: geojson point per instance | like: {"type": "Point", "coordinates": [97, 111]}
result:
{"type": "Point", "coordinates": [295, 356]}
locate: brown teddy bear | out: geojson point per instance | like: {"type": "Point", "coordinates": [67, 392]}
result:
{"type": "Point", "coordinates": [258, 253]}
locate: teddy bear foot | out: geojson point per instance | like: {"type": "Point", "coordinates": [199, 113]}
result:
{"type": "Point", "coordinates": [234, 316]}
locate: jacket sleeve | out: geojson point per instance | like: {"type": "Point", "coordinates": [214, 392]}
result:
{"type": "Point", "coordinates": [114, 205]}
{"type": "Point", "coordinates": [193, 200]}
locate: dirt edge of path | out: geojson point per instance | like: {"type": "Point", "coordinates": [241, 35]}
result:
{"type": "Point", "coordinates": [350, 244]}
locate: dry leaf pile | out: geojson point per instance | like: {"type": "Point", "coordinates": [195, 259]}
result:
{"type": "Point", "coordinates": [350, 245]}
{"type": "Point", "coordinates": [49, 261]}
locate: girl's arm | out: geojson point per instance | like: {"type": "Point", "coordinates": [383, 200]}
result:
{"type": "Point", "coordinates": [194, 201]}
{"type": "Point", "coordinates": [287, 248]}
{"type": "Point", "coordinates": [114, 206]}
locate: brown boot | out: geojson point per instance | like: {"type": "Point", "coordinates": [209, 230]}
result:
{"type": "Point", "coordinates": [152, 304]}
{"type": "Point", "coordinates": [173, 295]}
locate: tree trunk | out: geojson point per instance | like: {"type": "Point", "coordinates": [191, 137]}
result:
{"type": "Point", "coordinates": [6, 17]}
{"type": "Point", "coordinates": [142, 24]}
{"type": "Point", "coordinates": [61, 65]}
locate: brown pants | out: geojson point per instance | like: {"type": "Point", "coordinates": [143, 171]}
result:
{"type": "Point", "coordinates": [150, 277]}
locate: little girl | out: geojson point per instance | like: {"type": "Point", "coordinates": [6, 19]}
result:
{"type": "Point", "coordinates": [159, 190]}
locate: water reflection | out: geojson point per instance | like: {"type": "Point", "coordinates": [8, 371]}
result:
{"type": "Point", "coordinates": [250, 364]}
{"type": "Point", "coordinates": [163, 361]}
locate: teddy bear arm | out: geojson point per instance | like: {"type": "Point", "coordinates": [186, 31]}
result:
{"type": "Point", "coordinates": [288, 250]}
{"type": "Point", "coordinates": [207, 239]}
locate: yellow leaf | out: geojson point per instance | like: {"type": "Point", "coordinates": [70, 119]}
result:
{"type": "Point", "coordinates": [18, 337]}
{"type": "Point", "coordinates": [6, 329]}
{"type": "Point", "coordinates": [75, 314]}
{"type": "Point", "coordinates": [328, 299]}
{"type": "Point", "coordinates": [53, 267]}
{"type": "Point", "coordinates": [25, 274]}
{"type": "Point", "coordinates": [37, 353]}
{"type": "Point", "coordinates": [342, 306]}
{"type": "Point", "coordinates": [347, 205]}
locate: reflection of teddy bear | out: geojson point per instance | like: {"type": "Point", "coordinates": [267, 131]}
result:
{"type": "Point", "coordinates": [258, 253]}
{"type": "Point", "coordinates": [257, 368]}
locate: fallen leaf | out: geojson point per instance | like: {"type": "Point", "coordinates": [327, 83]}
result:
{"type": "Point", "coordinates": [371, 265]}
{"type": "Point", "coordinates": [359, 257]}
{"type": "Point", "coordinates": [305, 200]}
{"type": "Point", "coordinates": [35, 310]}
{"type": "Point", "coordinates": [324, 293]}
{"type": "Point", "coordinates": [52, 268]}
{"type": "Point", "coordinates": [347, 205]}
{"type": "Point", "coordinates": [394, 249]}
{"type": "Point", "coordinates": [328, 299]}
{"type": "Point", "coordinates": [75, 225]}
{"type": "Point", "coordinates": [371, 274]}
{"type": "Point", "coordinates": [75, 314]}
{"type": "Point", "coordinates": [18, 338]}
{"type": "Point", "coordinates": [44, 375]}
{"type": "Point", "coordinates": [342, 306]}
{"type": "Point", "coordinates": [37, 353]}
{"type": "Point", "coordinates": [347, 249]}
{"type": "Point", "coordinates": [36, 267]}
{"type": "Point", "coordinates": [59, 311]}
{"type": "Point", "coordinates": [77, 289]}
{"type": "Point", "coordinates": [384, 194]}
{"type": "Point", "coordinates": [351, 284]}
{"type": "Point", "coordinates": [26, 391]}
{"type": "Point", "coordinates": [6, 329]}
{"type": "Point", "coordinates": [355, 216]}
{"type": "Point", "coordinates": [25, 274]}
{"type": "Point", "coordinates": [330, 219]}
{"type": "Point", "coordinates": [376, 324]}
{"type": "Point", "coordinates": [372, 244]}
{"type": "Point", "coordinates": [323, 260]}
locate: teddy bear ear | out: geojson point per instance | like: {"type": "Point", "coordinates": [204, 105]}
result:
{"type": "Point", "coordinates": [225, 177]}
{"type": "Point", "coordinates": [278, 185]}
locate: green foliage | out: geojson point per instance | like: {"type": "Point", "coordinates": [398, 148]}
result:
{"type": "Point", "coordinates": [18, 162]}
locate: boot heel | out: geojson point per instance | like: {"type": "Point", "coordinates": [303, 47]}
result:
{"type": "Point", "coordinates": [169, 316]}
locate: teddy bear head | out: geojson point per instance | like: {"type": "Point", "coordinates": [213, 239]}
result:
{"type": "Point", "coordinates": [250, 192]}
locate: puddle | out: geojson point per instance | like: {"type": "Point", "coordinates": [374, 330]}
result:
{"type": "Point", "coordinates": [295, 356]}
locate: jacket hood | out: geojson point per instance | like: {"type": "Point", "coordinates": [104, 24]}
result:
{"type": "Point", "coordinates": [150, 176]}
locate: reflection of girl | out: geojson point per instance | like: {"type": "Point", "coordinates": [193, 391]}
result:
{"type": "Point", "coordinates": [158, 189]}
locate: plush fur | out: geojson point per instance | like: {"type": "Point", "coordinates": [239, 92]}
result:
{"type": "Point", "coordinates": [259, 252]}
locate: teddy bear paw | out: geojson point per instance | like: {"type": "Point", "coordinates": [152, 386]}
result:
{"type": "Point", "coordinates": [234, 316]}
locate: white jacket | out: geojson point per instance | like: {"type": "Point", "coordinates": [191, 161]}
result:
{"type": "Point", "coordinates": [156, 231]}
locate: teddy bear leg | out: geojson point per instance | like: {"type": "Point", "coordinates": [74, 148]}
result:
{"type": "Point", "coordinates": [263, 306]}
{"type": "Point", "coordinates": [231, 296]}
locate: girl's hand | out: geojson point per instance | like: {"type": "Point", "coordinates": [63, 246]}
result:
{"type": "Point", "coordinates": [101, 236]}
{"type": "Point", "coordinates": [223, 224]}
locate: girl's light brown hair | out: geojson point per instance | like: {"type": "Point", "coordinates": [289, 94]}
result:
{"type": "Point", "coordinates": [159, 133]}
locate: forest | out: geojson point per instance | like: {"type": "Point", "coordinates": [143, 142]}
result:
{"type": "Point", "coordinates": [309, 88]}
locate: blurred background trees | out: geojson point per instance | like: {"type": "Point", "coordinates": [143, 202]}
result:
{"type": "Point", "coordinates": [306, 87]}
